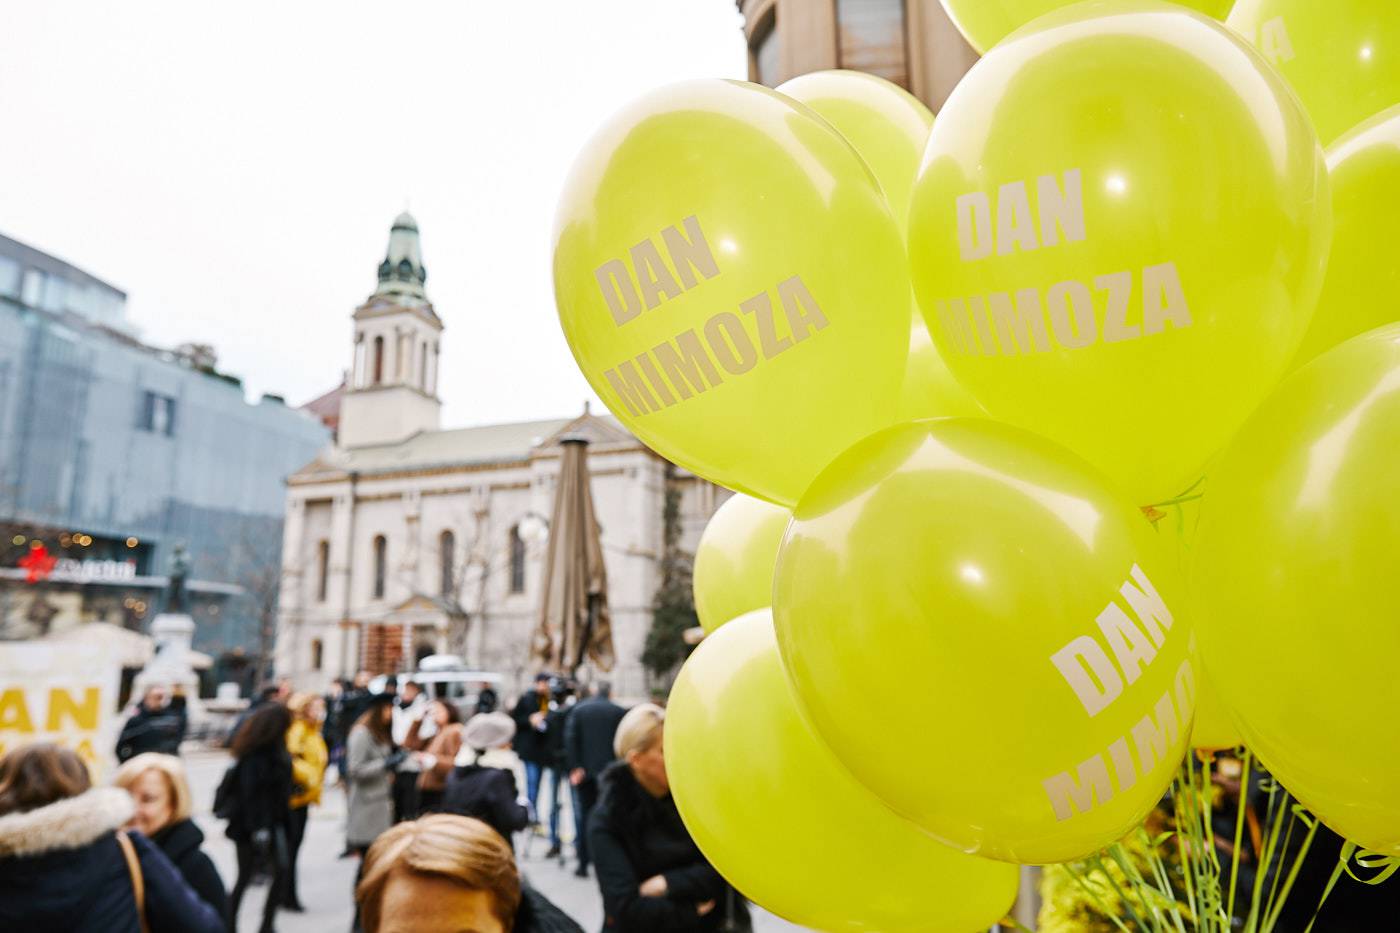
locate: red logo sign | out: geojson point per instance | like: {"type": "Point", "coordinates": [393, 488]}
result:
{"type": "Point", "coordinates": [38, 563]}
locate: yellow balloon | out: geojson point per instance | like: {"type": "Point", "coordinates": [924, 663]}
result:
{"type": "Point", "coordinates": [1212, 728]}
{"type": "Point", "coordinates": [889, 128]}
{"type": "Point", "coordinates": [1176, 525]}
{"type": "Point", "coordinates": [730, 280]}
{"type": "Point", "coordinates": [1293, 585]}
{"type": "Point", "coordinates": [734, 562]}
{"type": "Point", "coordinates": [787, 825]}
{"type": "Point", "coordinates": [1118, 236]}
{"type": "Point", "coordinates": [1342, 56]}
{"type": "Point", "coordinates": [882, 121]}
{"type": "Point", "coordinates": [988, 636]}
{"type": "Point", "coordinates": [984, 23]}
{"type": "Point", "coordinates": [930, 390]}
{"type": "Point", "coordinates": [1363, 275]}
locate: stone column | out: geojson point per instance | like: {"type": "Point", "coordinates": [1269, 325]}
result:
{"type": "Point", "coordinates": [289, 655]}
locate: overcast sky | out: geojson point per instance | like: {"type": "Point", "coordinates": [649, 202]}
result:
{"type": "Point", "coordinates": [235, 169]}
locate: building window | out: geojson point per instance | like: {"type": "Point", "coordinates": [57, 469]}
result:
{"type": "Point", "coordinates": [158, 414]}
{"type": "Point", "coordinates": [55, 294]}
{"type": "Point", "coordinates": [517, 561]}
{"type": "Point", "coordinates": [316, 652]}
{"type": "Point", "coordinates": [323, 560]}
{"type": "Point", "coordinates": [764, 50]}
{"type": "Point", "coordinates": [32, 287]}
{"type": "Point", "coordinates": [872, 38]}
{"type": "Point", "coordinates": [423, 365]}
{"type": "Point", "coordinates": [378, 361]}
{"type": "Point", "coordinates": [9, 277]}
{"type": "Point", "coordinates": [381, 564]}
{"type": "Point", "coordinates": [447, 548]}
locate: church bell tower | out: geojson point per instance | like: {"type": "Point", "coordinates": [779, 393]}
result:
{"type": "Point", "coordinates": [392, 393]}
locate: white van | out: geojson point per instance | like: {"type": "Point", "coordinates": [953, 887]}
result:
{"type": "Point", "coordinates": [446, 677]}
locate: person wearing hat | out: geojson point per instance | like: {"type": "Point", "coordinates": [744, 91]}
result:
{"type": "Point", "coordinates": [477, 788]}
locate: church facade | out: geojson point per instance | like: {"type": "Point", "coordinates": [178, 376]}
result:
{"type": "Point", "coordinates": [404, 539]}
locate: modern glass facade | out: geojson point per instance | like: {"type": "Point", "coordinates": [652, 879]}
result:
{"type": "Point", "coordinates": [133, 449]}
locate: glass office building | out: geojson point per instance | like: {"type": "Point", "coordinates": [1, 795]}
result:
{"type": "Point", "coordinates": [112, 452]}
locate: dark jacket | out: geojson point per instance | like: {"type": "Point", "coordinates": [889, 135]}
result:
{"type": "Point", "coordinates": [353, 703]}
{"type": "Point", "coordinates": [489, 795]}
{"type": "Point", "coordinates": [537, 914]}
{"type": "Point", "coordinates": [556, 721]}
{"type": "Point", "coordinates": [181, 844]}
{"type": "Point", "coordinates": [62, 871]}
{"type": "Point", "coordinates": [158, 731]}
{"type": "Point", "coordinates": [633, 836]}
{"type": "Point", "coordinates": [263, 782]}
{"type": "Point", "coordinates": [530, 743]}
{"type": "Point", "coordinates": [588, 735]}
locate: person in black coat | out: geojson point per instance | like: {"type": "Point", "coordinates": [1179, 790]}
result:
{"type": "Point", "coordinates": [651, 874]}
{"type": "Point", "coordinates": [158, 725]}
{"type": "Point", "coordinates": [62, 866]}
{"type": "Point", "coordinates": [588, 750]}
{"type": "Point", "coordinates": [486, 699]}
{"type": "Point", "coordinates": [183, 843]}
{"type": "Point", "coordinates": [260, 812]}
{"type": "Point", "coordinates": [532, 747]}
{"type": "Point", "coordinates": [476, 789]}
{"type": "Point", "coordinates": [555, 723]}
{"type": "Point", "coordinates": [161, 792]}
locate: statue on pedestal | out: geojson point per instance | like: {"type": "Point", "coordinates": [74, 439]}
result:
{"type": "Point", "coordinates": [175, 591]}
{"type": "Point", "coordinates": [172, 631]}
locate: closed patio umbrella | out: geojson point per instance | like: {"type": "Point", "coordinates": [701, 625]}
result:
{"type": "Point", "coordinates": [574, 619]}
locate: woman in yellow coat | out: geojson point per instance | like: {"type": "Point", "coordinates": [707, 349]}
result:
{"type": "Point", "coordinates": [309, 758]}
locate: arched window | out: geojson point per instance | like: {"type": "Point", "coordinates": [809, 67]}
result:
{"type": "Point", "coordinates": [381, 562]}
{"type": "Point", "coordinates": [872, 38]}
{"type": "Point", "coordinates": [378, 360]}
{"type": "Point", "coordinates": [316, 652]}
{"type": "Point", "coordinates": [447, 552]}
{"type": "Point", "coordinates": [423, 366]}
{"type": "Point", "coordinates": [323, 560]}
{"type": "Point", "coordinates": [764, 52]}
{"type": "Point", "coordinates": [517, 561]}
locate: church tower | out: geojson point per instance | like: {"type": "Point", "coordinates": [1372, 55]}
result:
{"type": "Point", "coordinates": [392, 393]}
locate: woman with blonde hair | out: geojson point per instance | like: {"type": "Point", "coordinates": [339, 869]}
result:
{"type": "Point", "coordinates": [651, 873]}
{"type": "Point", "coordinates": [309, 759]}
{"type": "Point", "coordinates": [160, 789]}
{"type": "Point", "coordinates": [445, 873]}
{"type": "Point", "coordinates": [68, 866]}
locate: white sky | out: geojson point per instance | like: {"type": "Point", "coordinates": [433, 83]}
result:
{"type": "Point", "coordinates": [235, 169]}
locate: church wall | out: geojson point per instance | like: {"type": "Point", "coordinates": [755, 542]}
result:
{"type": "Point", "coordinates": [481, 507]}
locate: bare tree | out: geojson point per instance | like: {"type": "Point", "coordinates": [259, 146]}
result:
{"type": "Point", "coordinates": [461, 587]}
{"type": "Point", "coordinates": [260, 577]}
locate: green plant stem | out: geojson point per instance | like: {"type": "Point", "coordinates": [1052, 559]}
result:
{"type": "Point", "coordinates": [1239, 834]}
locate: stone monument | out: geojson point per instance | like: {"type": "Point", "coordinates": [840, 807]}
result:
{"type": "Point", "coordinates": [172, 630]}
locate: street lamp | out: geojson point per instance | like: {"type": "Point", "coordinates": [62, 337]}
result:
{"type": "Point", "coordinates": [533, 528]}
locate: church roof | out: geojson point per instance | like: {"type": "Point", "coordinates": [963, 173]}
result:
{"type": "Point", "coordinates": [326, 407]}
{"type": "Point", "coordinates": [484, 445]}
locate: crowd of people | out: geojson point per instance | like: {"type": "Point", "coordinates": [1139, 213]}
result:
{"type": "Point", "coordinates": [433, 807]}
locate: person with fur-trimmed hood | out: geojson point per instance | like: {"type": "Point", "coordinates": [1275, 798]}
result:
{"type": "Point", "coordinates": [67, 865]}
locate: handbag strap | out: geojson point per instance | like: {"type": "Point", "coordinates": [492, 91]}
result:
{"type": "Point", "coordinates": [138, 882]}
